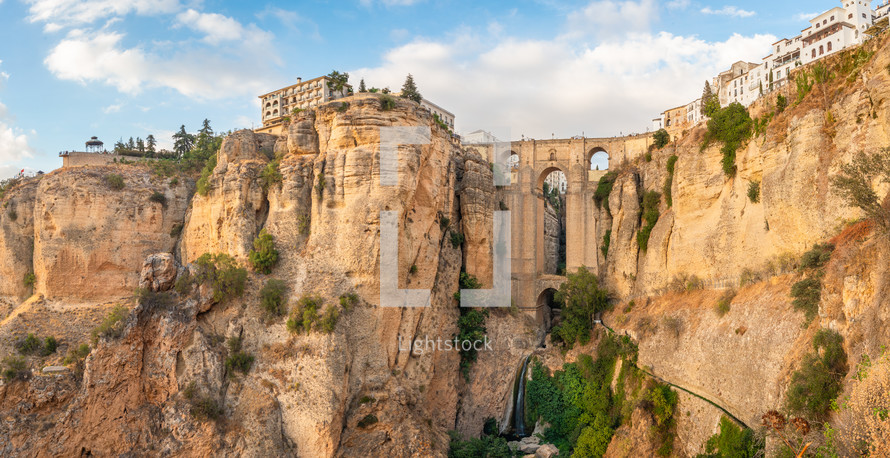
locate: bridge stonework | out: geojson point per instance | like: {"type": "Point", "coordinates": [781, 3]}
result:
{"type": "Point", "coordinates": [524, 198]}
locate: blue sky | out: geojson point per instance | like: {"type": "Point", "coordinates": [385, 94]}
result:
{"type": "Point", "coordinates": [121, 68]}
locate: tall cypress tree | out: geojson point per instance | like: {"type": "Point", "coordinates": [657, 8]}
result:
{"type": "Point", "coordinates": [361, 86]}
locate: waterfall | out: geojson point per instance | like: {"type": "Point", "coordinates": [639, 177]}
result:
{"type": "Point", "coordinates": [519, 401]}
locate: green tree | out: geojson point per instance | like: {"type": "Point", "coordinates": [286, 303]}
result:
{"type": "Point", "coordinates": [263, 257]}
{"type": "Point", "coordinates": [140, 145]}
{"type": "Point", "coordinates": [361, 86]}
{"type": "Point", "coordinates": [731, 126]}
{"type": "Point", "coordinates": [661, 138]}
{"type": "Point", "coordinates": [732, 442]}
{"type": "Point", "coordinates": [183, 141]}
{"type": "Point", "coordinates": [781, 103]}
{"type": "Point", "coordinates": [820, 378]}
{"type": "Point", "coordinates": [409, 90]}
{"type": "Point", "coordinates": [131, 145]}
{"type": "Point", "coordinates": [337, 81]}
{"type": "Point", "coordinates": [150, 143]}
{"type": "Point", "coordinates": [855, 183]}
{"type": "Point", "coordinates": [710, 102]}
{"type": "Point", "coordinates": [582, 298]}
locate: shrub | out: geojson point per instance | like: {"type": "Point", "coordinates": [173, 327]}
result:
{"type": "Point", "coordinates": [661, 138]}
{"type": "Point", "coordinates": [413, 269]}
{"type": "Point", "coordinates": [328, 321]}
{"type": "Point", "coordinates": [158, 197]}
{"type": "Point", "coordinates": [669, 180]}
{"type": "Point", "coordinates": [29, 280]}
{"type": "Point", "coordinates": [607, 240]}
{"type": "Point", "coordinates": [367, 421]}
{"type": "Point", "coordinates": [238, 360]}
{"type": "Point", "coordinates": [204, 408]}
{"type": "Point", "coordinates": [304, 317]}
{"type": "Point", "coordinates": [732, 441]}
{"type": "Point", "coordinates": [348, 301]}
{"type": "Point", "coordinates": [183, 284]}
{"type": "Point", "coordinates": [204, 185]}
{"type": "Point", "coordinates": [49, 346]}
{"type": "Point", "coordinates": [725, 302]}
{"type": "Point", "coordinates": [263, 257]}
{"type": "Point", "coordinates": [582, 298]}
{"type": "Point", "coordinates": [820, 378]}
{"type": "Point", "coordinates": [271, 175]}
{"type": "Point", "coordinates": [304, 225]}
{"type": "Point", "coordinates": [749, 277]}
{"type": "Point", "coordinates": [14, 367]}
{"type": "Point", "coordinates": [754, 191]}
{"type": "Point", "coordinates": [273, 297]}
{"type": "Point", "coordinates": [320, 185]}
{"type": "Point", "coordinates": [650, 215]}
{"type": "Point", "coordinates": [661, 403]}
{"type": "Point", "coordinates": [75, 354]}
{"type": "Point", "coordinates": [603, 189]}
{"type": "Point", "coordinates": [855, 183]}
{"type": "Point", "coordinates": [781, 103]}
{"type": "Point", "coordinates": [817, 257]}
{"type": "Point", "coordinates": [457, 239]}
{"type": "Point", "coordinates": [29, 345]}
{"type": "Point", "coordinates": [444, 222]}
{"type": "Point", "coordinates": [731, 126]}
{"type": "Point", "coordinates": [807, 293]}
{"type": "Point", "coordinates": [112, 325]}
{"type": "Point", "coordinates": [387, 103]}
{"type": "Point", "coordinates": [222, 273]}
{"type": "Point", "coordinates": [471, 328]}
{"type": "Point", "coordinates": [114, 181]}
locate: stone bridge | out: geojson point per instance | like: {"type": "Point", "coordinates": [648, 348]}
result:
{"type": "Point", "coordinates": [531, 284]}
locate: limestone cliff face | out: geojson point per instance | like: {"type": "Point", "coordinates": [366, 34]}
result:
{"type": "Point", "coordinates": [17, 240]}
{"type": "Point", "coordinates": [87, 237]}
{"type": "Point", "coordinates": [713, 230]}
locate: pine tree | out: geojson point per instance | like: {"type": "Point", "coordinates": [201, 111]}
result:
{"type": "Point", "coordinates": [710, 102]}
{"type": "Point", "coordinates": [183, 141]}
{"type": "Point", "coordinates": [140, 145]}
{"type": "Point", "coordinates": [361, 86]}
{"type": "Point", "coordinates": [409, 90]}
{"type": "Point", "coordinates": [150, 143]}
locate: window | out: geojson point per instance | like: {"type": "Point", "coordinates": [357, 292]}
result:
{"type": "Point", "coordinates": [832, 18]}
{"type": "Point", "coordinates": [863, 14]}
{"type": "Point", "coordinates": [824, 21]}
{"type": "Point", "coordinates": [814, 53]}
{"type": "Point", "coordinates": [829, 46]}
{"type": "Point", "coordinates": [817, 25]}
{"type": "Point", "coordinates": [850, 16]}
{"type": "Point", "coordinates": [821, 51]}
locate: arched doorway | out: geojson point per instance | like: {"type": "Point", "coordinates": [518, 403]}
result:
{"type": "Point", "coordinates": [548, 308]}
{"type": "Point", "coordinates": [598, 159]}
{"type": "Point", "coordinates": [551, 192]}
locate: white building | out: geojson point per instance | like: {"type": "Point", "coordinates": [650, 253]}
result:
{"type": "Point", "coordinates": [479, 137]}
{"type": "Point", "coordinates": [444, 115]}
{"type": "Point", "coordinates": [693, 112]}
{"type": "Point", "coordinates": [657, 123]}
{"type": "Point", "coordinates": [276, 105]}
{"type": "Point", "coordinates": [735, 84]}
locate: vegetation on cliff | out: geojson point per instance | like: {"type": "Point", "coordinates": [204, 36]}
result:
{"type": "Point", "coordinates": [582, 297]}
{"type": "Point", "coordinates": [222, 273]}
{"type": "Point", "coordinates": [732, 442]}
{"type": "Point", "coordinates": [855, 183]}
{"type": "Point", "coordinates": [819, 381]}
{"type": "Point", "coordinates": [731, 126]}
{"type": "Point", "coordinates": [263, 257]}
{"type": "Point", "coordinates": [650, 215]}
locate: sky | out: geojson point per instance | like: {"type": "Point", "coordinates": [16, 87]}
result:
{"type": "Point", "coordinates": [116, 69]}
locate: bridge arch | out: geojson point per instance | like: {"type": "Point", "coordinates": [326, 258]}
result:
{"type": "Point", "coordinates": [550, 232]}
{"type": "Point", "coordinates": [598, 158]}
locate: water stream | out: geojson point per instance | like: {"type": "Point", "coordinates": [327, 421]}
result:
{"type": "Point", "coordinates": [519, 401]}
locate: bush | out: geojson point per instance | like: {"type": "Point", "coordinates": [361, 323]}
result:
{"type": "Point", "coordinates": [387, 103]}
{"type": "Point", "coordinates": [817, 257]}
{"type": "Point", "coordinates": [222, 273]}
{"type": "Point", "coordinates": [661, 403]}
{"type": "Point", "coordinates": [263, 257]}
{"type": "Point", "coordinates": [661, 138]}
{"type": "Point", "coordinates": [29, 345]}
{"type": "Point", "coordinates": [471, 328]}
{"type": "Point", "coordinates": [457, 239]}
{"type": "Point", "coordinates": [732, 442]}
{"type": "Point", "coordinates": [444, 222]}
{"type": "Point", "coordinates": [49, 346]}
{"type": "Point", "coordinates": [820, 378]}
{"type": "Point", "coordinates": [15, 368]}
{"type": "Point", "coordinates": [348, 301]}
{"type": "Point", "coordinates": [749, 277]}
{"type": "Point", "coordinates": [781, 103]}
{"type": "Point", "coordinates": [669, 180]}
{"type": "Point", "coordinates": [304, 225]}
{"type": "Point", "coordinates": [651, 199]}
{"type": "Point", "coordinates": [582, 298]}
{"type": "Point", "coordinates": [413, 269]}
{"type": "Point", "coordinates": [29, 280]}
{"type": "Point", "coordinates": [367, 421]}
{"type": "Point", "coordinates": [113, 324]}
{"type": "Point", "coordinates": [75, 354]}
{"type": "Point", "coordinates": [204, 185]}
{"type": "Point", "coordinates": [855, 183]}
{"type": "Point", "coordinates": [328, 321]}
{"type": "Point", "coordinates": [158, 197]}
{"type": "Point", "coordinates": [807, 293]}
{"type": "Point", "coordinates": [203, 407]}
{"type": "Point", "coordinates": [603, 189]}
{"type": "Point", "coordinates": [238, 360]}
{"type": "Point", "coordinates": [271, 175]}
{"type": "Point", "coordinates": [320, 185]}
{"type": "Point", "coordinates": [273, 296]}
{"type": "Point", "coordinates": [754, 191]}
{"type": "Point", "coordinates": [307, 316]}
{"type": "Point", "coordinates": [731, 126]}
{"type": "Point", "coordinates": [723, 305]}
{"type": "Point", "coordinates": [607, 240]}
{"type": "Point", "coordinates": [114, 181]}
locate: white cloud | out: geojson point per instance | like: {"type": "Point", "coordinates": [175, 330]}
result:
{"type": "Point", "coordinates": [805, 16]}
{"type": "Point", "coordinates": [608, 18]}
{"type": "Point", "coordinates": [57, 14]}
{"type": "Point", "coordinates": [367, 3]}
{"type": "Point", "coordinates": [728, 11]}
{"type": "Point", "coordinates": [13, 143]}
{"type": "Point", "coordinates": [112, 109]}
{"type": "Point", "coordinates": [238, 70]}
{"type": "Point", "coordinates": [678, 4]}
{"type": "Point", "coordinates": [218, 28]}
{"type": "Point", "coordinates": [562, 85]}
